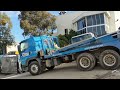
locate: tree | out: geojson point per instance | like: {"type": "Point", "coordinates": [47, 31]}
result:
{"type": "Point", "coordinates": [5, 36]}
{"type": "Point", "coordinates": [63, 41]}
{"type": "Point", "coordinates": [37, 22]}
{"type": "Point", "coordinates": [66, 39]}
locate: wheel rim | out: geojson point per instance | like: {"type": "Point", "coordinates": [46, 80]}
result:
{"type": "Point", "coordinates": [109, 60]}
{"type": "Point", "coordinates": [84, 62]}
{"type": "Point", "coordinates": [34, 68]}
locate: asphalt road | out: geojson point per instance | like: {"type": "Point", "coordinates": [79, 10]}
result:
{"type": "Point", "coordinates": [63, 71]}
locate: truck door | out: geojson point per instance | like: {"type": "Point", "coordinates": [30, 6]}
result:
{"type": "Point", "coordinates": [24, 51]}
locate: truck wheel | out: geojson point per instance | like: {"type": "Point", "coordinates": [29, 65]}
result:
{"type": "Point", "coordinates": [35, 68]}
{"type": "Point", "coordinates": [86, 62]}
{"type": "Point", "coordinates": [50, 68]}
{"type": "Point", "coordinates": [109, 59]}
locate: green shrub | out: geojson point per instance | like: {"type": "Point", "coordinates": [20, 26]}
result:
{"type": "Point", "coordinates": [66, 39]}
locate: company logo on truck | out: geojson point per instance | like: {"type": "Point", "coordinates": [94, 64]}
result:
{"type": "Point", "coordinates": [92, 47]}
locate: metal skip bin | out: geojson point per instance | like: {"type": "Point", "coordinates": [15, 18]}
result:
{"type": "Point", "coordinates": [9, 64]}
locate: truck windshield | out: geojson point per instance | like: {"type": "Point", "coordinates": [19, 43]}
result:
{"type": "Point", "coordinates": [23, 46]}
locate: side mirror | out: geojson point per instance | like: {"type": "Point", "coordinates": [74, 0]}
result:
{"type": "Point", "coordinates": [19, 50]}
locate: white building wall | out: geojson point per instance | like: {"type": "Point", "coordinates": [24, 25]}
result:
{"type": "Point", "coordinates": [117, 16]}
{"type": "Point", "coordinates": [65, 21]}
{"type": "Point", "coordinates": [111, 21]}
{"type": "Point", "coordinates": [68, 20]}
{"type": "Point", "coordinates": [74, 26]}
{"type": "Point", "coordinates": [12, 48]}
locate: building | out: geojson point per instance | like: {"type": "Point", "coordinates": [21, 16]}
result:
{"type": "Point", "coordinates": [97, 22]}
{"type": "Point", "coordinates": [9, 48]}
{"type": "Point", "coordinates": [12, 48]}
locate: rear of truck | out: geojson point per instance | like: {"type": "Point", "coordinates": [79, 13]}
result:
{"type": "Point", "coordinates": [104, 50]}
{"type": "Point", "coordinates": [89, 50]}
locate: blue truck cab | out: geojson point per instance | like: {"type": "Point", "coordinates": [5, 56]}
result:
{"type": "Point", "coordinates": [39, 53]}
{"type": "Point", "coordinates": [30, 48]}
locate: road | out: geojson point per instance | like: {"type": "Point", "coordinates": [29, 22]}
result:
{"type": "Point", "coordinates": [63, 71]}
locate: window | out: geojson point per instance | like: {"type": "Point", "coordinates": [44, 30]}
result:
{"type": "Point", "coordinates": [95, 31]}
{"type": "Point", "coordinates": [94, 19]}
{"type": "Point", "coordinates": [102, 18]}
{"type": "Point", "coordinates": [98, 31]}
{"type": "Point", "coordinates": [23, 46]}
{"type": "Point", "coordinates": [89, 21]}
{"type": "Point", "coordinates": [94, 24]}
{"type": "Point", "coordinates": [103, 30]}
{"type": "Point", "coordinates": [81, 26]}
{"type": "Point", "coordinates": [98, 19]}
{"type": "Point", "coordinates": [82, 31]}
{"type": "Point", "coordinates": [89, 29]}
{"type": "Point", "coordinates": [81, 23]}
{"type": "Point", "coordinates": [92, 30]}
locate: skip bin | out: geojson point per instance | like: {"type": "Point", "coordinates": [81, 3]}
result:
{"type": "Point", "coordinates": [9, 64]}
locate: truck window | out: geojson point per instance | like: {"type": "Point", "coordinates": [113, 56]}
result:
{"type": "Point", "coordinates": [24, 46]}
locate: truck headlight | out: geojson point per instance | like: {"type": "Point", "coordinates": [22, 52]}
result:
{"type": "Point", "coordinates": [25, 54]}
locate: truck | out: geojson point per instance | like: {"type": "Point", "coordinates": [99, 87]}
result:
{"type": "Point", "coordinates": [40, 53]}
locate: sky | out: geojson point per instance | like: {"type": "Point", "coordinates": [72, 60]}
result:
{"type": "Point", "coordinates": [16, 31]}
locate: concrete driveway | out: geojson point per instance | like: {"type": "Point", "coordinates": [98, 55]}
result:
{"type": "Point", "coordinates": [63, 71]}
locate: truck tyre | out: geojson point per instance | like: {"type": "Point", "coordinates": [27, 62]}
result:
{"type": "Point", "coordinates": [50, 68]}
{"type": "Point", "coordinates": [86, 62]}
{"type": "Point", "coordinates": [35, 68]}
{"type": "Point", "coordinates": [109, 59]}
